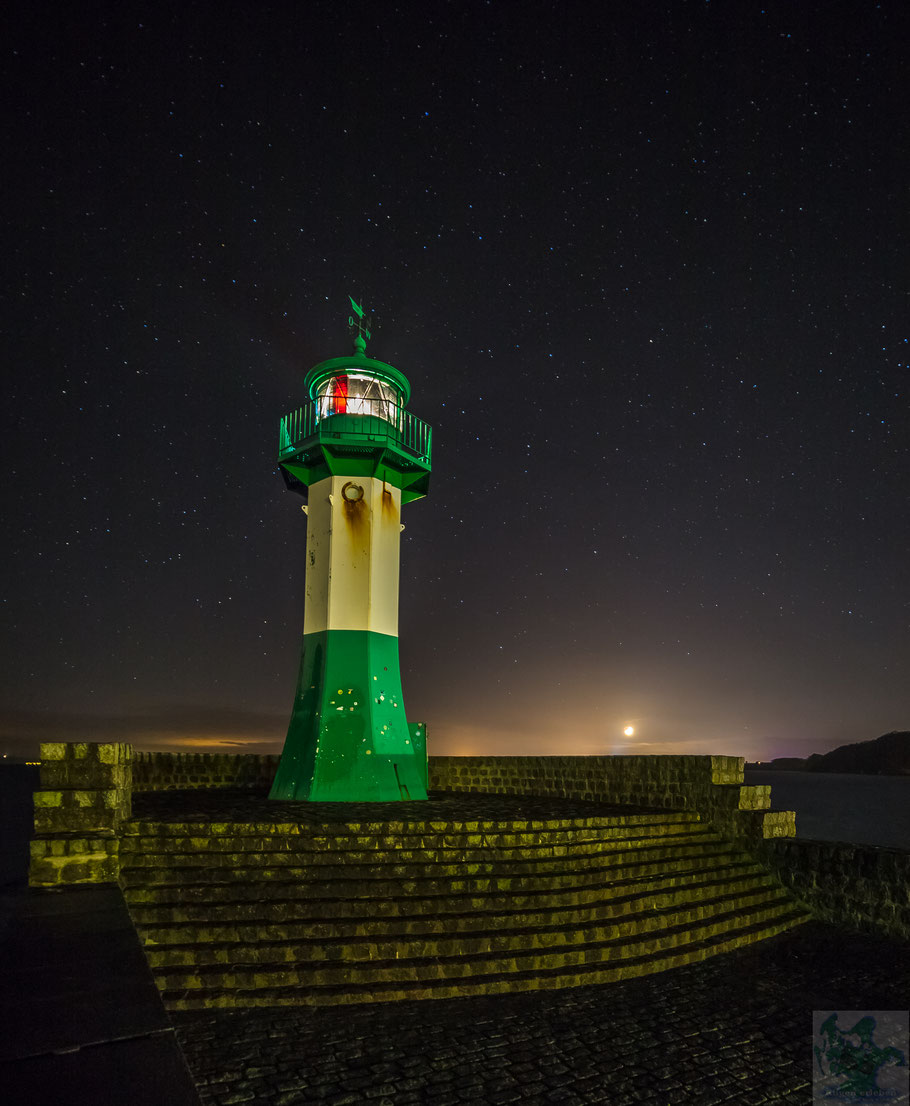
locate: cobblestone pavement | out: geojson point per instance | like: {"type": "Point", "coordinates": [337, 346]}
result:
{"type": "Point", "coordinates": [248, 805]}
{"type": "Point", "coordinates": [736, 1029]}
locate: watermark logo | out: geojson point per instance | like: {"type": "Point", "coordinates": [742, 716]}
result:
{"type": "Point", "coordinates": [861, 1056]}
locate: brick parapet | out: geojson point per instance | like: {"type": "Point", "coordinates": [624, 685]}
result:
{"type": "Point", "coordinates": [57, 861]}
{"type": "Point", "coordinates": [85, 792]}
{"type": "Point", "coordinates": [86, 789]}
{"type": "Point", "coordinates": [862, 887]}
{"type": "Point", "coordinates": [87, 766]}
{"type": "Point", "coordinates": [177, 771]}
{"type": "Point", "coordinates": [711, 785]}
{"type": "Point", "coordinates": [84, 796]}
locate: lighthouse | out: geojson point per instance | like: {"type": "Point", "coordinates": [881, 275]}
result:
{"type": "Point", "coordinates": [357, 456]}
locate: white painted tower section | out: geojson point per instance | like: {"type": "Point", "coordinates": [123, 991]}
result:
{"type": "Point", "coordinates": [352, 555]}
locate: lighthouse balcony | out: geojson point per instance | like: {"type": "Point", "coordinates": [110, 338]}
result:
{"type": "Point", "coordinates": [314, 438]}
{"type": "Point", "coordinates": [388, 426]}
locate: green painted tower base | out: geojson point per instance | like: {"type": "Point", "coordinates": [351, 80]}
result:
{"type": "Point", "coordinates": [349, 711]}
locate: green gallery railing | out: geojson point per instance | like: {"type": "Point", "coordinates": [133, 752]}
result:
{"type": "Point", "coordinates": [374, 420]}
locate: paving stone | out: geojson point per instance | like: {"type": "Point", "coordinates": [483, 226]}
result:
{"type": "Point", "coordinates": [728, 1030]}
{"type": "Point", "coordinates": [590, 1044]}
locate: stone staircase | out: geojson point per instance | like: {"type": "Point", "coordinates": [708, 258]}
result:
{"type": "Point", "coordinates": [265, 914]}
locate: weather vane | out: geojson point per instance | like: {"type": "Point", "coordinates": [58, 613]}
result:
{"type": "Point", "coordinates": [359, 324]}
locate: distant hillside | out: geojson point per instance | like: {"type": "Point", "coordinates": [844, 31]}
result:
{"type": "Point", "coordinates": [888, 755]}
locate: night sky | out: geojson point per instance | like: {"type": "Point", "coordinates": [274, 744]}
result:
{"type": "Point", "coordinates": [646, 267]}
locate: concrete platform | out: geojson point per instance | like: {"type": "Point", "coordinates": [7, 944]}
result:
{"type": "Point", "coordinates": [74, 974]}
{"type": "Point", "coordinates": [81, 1020]}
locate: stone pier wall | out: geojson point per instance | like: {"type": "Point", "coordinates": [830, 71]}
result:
{"type": "Point", "coordinates": [860, 887]}
{"type": "Point", "coordinates": [170, 771]}
{"type": "Point", "coordinates": [83, 796]}
{"type": "Point", "coordinates": [713, 786]}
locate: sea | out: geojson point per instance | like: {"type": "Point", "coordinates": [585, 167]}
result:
{"type": "Point", "coordinates": [861, 810]}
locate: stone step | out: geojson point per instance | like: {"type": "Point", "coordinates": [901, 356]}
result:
{"type": "Point", "coordinates": [149, 851]}
{"type": "Point", "coordinates": [240, 922]}
{"type": "Point", "coordinates": [299, 920]}
{"type": "Point", "coordinates": [278, 913]}
{"type": "Point", "coordinates": [460, 967]}
{"type": "Point", "coordinates": [155, 884]}
{"type": "Point", "coordinates": [544, 867]}
{"type": "Point", "coordinates": [390, 897]}
{"type": "Point", "coordinates": [515, 935]}
{"type": "Point", "coordinates": [295, 902]}
{"type": "Point", "coordinates": [605, 971]}
{"type": "Point", "coordinates": [138, 845]}
{"type": "Point", "coordinates": [407, 862]}
{"type": "Point", "coordinates": [395, 831]}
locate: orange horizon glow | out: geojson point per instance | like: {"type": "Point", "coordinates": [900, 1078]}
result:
{"type": "Point", "coordinates": [590, 735]}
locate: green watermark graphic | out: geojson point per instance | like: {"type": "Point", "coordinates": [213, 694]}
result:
{"type": "Point", "coordinates": [860, 1056]}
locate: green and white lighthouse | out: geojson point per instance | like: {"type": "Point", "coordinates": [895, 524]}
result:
{"type": "Point", "coordinates": [357, 456]}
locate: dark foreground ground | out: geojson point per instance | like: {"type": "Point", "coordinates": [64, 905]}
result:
{"type": "Point", "coordinates": [736, 1029]}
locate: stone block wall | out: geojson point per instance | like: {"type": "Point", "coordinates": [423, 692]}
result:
{"type": "Point", "coordinates": [711, 785]}
{"type": "Point", "coordinates": [84, 794]}
{"type": "Point", "coordinates": [170, 771]}
{"type": "Point", "coordinates": [858, 886]}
